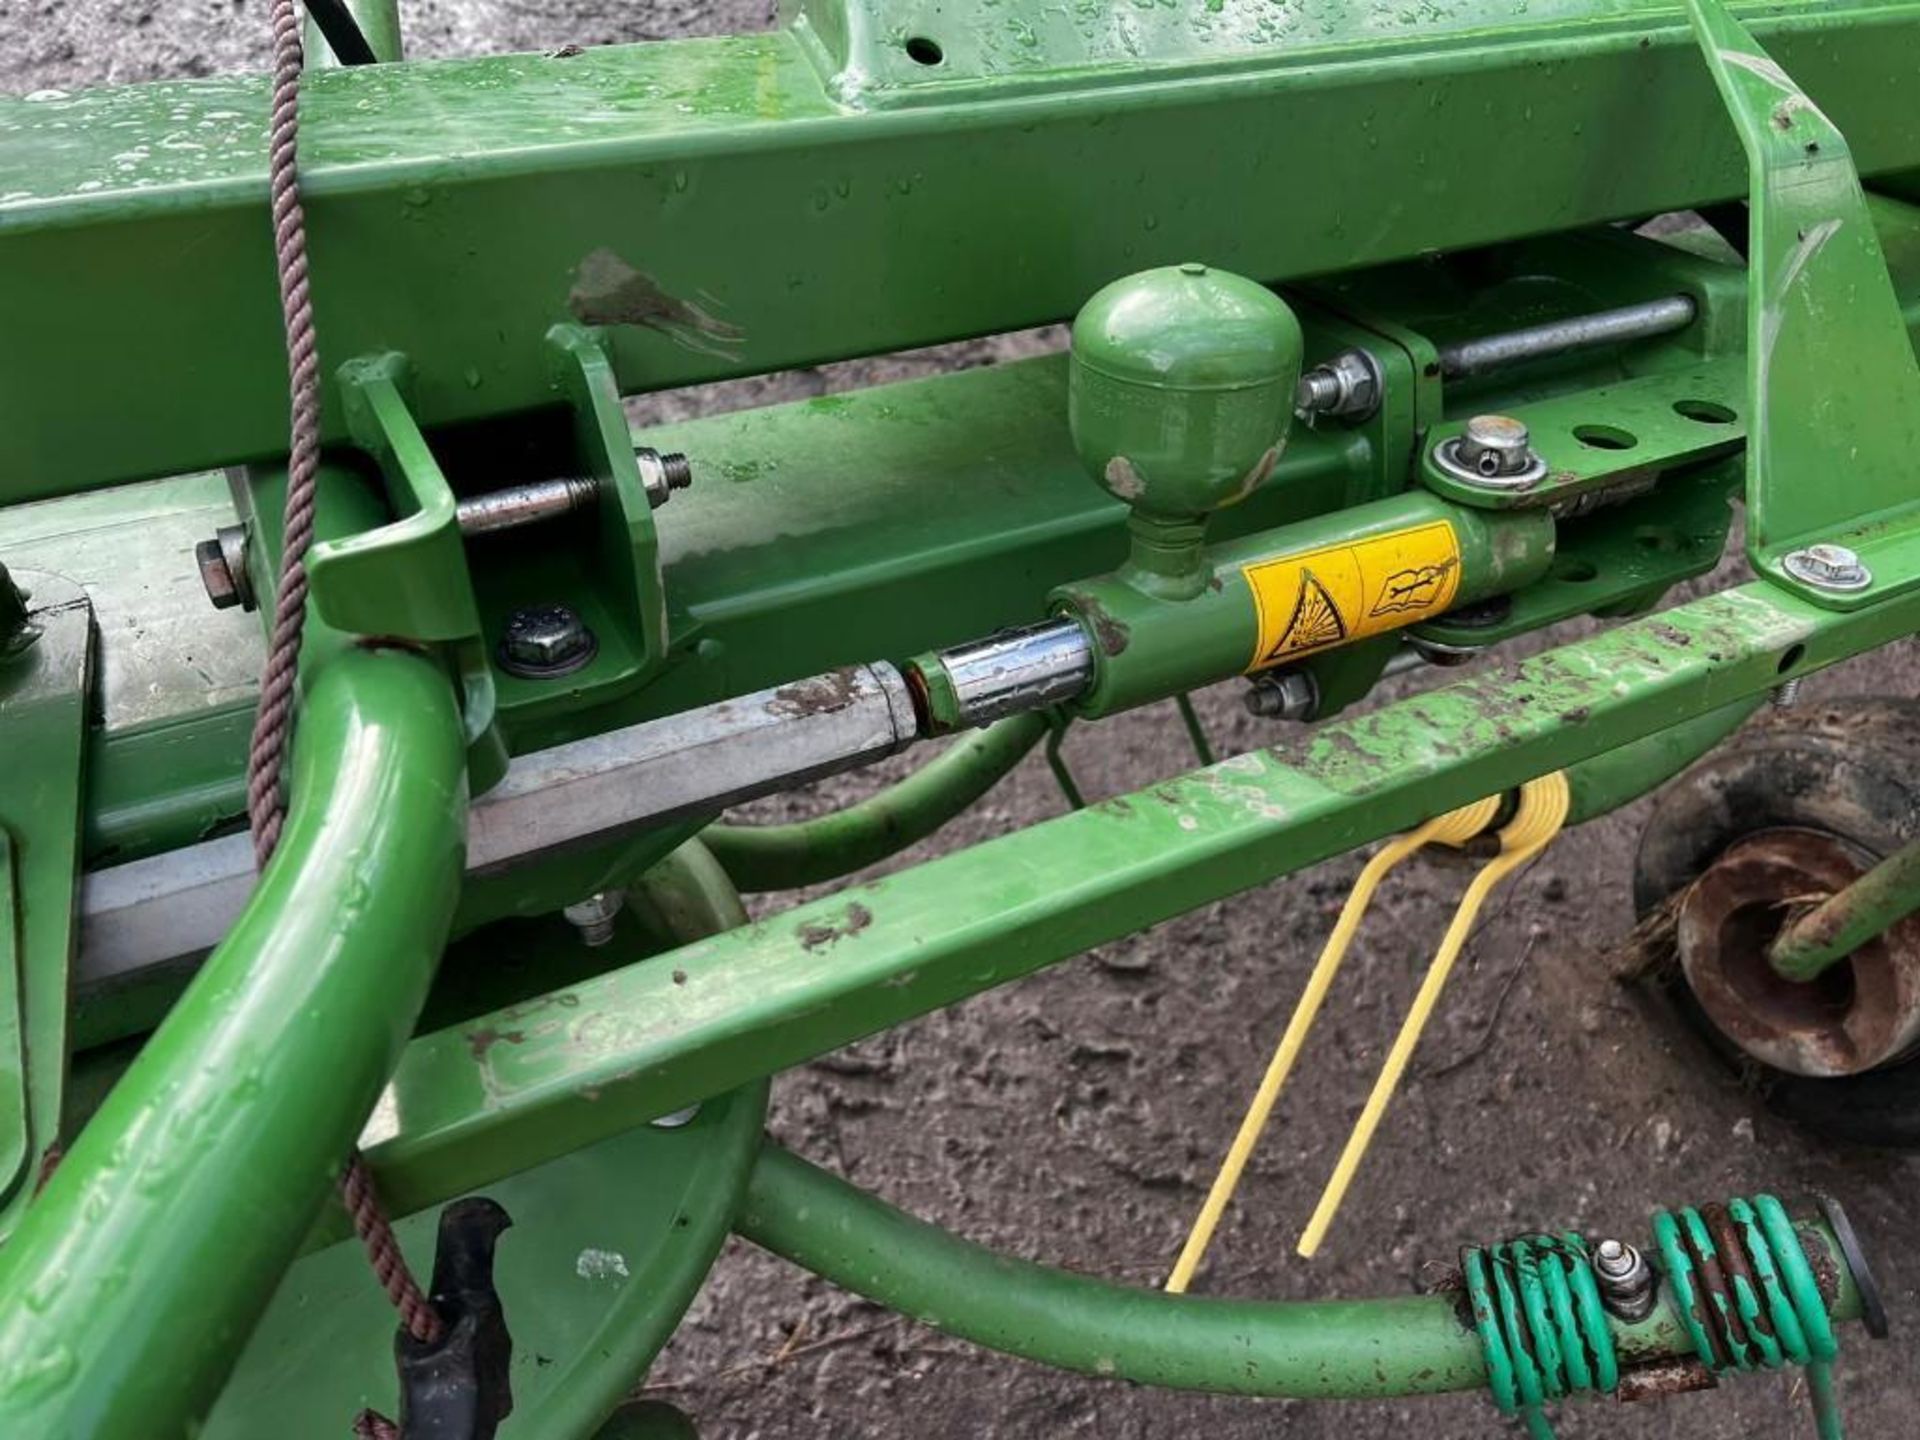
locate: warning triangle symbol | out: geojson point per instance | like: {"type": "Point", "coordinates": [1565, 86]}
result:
{"type": "Point", "coordinates": [1316, 620]}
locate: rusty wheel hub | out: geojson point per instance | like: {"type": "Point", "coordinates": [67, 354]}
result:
{"type": "Point", "coordinates": [1859, 1013]}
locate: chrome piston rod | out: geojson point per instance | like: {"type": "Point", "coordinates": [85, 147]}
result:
{"type": "Point", "coordinates": [1559, 337]}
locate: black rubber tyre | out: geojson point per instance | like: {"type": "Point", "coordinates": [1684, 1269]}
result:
{"type": "Point", "coordinates": [1851, 769]}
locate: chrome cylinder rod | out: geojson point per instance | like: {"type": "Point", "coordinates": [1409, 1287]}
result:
{"type": "Point", "coordinates": [1559, 337]}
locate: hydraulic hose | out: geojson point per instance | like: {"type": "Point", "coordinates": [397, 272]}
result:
{"type": "Point", "coordinates": [1323, 1349]}
{"type": "Point", "coordinates": [784, 857]}
{"type": "Point", "coordinates": [135, 1278]}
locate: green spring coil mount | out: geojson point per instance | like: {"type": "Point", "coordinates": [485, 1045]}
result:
{"type": "Point", "coordinates": [1537, 1309]}
{"type": "Point", "coordinates": [1738, 1281]}
{"type": "Point", "coordinates": [1747, 1295]}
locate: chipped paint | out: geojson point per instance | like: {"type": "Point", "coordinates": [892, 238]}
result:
{"type": "Point", "coordinates": [601, 1265]}
{"type": "Point", "coordinates": [1123, 480]}
{"type": "Point", "coordinates": [609, 291]}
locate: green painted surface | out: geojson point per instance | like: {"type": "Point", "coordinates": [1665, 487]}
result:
{"type": "Point", "coordinates": [592, 1290]}
{"type": "Point", "coordinates": [646, 1039]}
{"type": "Point", "coordinates": [46, 669]}
{"type": "Point", "coordinates": [1407, 1345]}
{"type": "Point", "coordinates": [211, 1155]}
{"type": "Point", "coordinates": [713, 207]}
{"type": "Point", "coordinates": [1827, 350]}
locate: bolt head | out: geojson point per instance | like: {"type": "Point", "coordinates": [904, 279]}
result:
{"type": "Point", "coordinates": [1494, 445]}
{"type": "Point", "coordinates": [546, 640]}
{"type": "Point", "coordinates": [1828, 567]}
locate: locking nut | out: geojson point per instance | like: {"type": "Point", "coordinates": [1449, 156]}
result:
{"type": "Point", "coordinates": [223, 568]}
{"type": "Point", "coordinates": [1828, 567]}
{"type": "Point", "coordinates": [1625, 1279]}
{"type": "Point", "coordinates": [1347, 387]}
{"type": "Point", "coordinates": [661, 475]}
{"type": "Point", "coordinates": [1282, 695]}
{"type": "Point", "coordinates": [544, 641]}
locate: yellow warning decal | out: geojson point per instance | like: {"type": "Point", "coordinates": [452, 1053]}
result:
{"type": "Point", "coordinates": [1327, 597]}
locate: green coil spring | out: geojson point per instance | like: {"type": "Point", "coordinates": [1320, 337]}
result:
{"type": "Point", "coordinates": [1747, 1295]}
{"type": "Point", "coordinates": [1536, 1307]}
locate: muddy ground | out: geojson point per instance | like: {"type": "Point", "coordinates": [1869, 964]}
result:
{"type": "Point", "coordinates": [1076, 1117]}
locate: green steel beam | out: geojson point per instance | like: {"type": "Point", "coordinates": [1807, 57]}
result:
{"type": "Point", "coordinates": [720, 211]}
{"type": "Point", "coordinates": [647, 1039]}
{"type": "Point", "coordinates": [138, 1272]}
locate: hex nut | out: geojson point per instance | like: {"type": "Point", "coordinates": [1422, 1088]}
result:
{"type": "Point", "coordinates": [542, 641]}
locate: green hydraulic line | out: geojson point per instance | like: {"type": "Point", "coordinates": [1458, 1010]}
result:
{"type": "Point", "coordinates": [1407, 1345]}
{"type": "Point", "coordinates": [1841, 924]}
{"type": "Point", "coordinates": [136, 1276]}
{"type": "Point", "coordinates": [784, 857]}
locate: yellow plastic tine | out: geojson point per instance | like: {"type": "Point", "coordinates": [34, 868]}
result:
{"type": "Point", "coordinates": [1541, 814]}
{"type": "Point", "coordinates": [1454, 828]}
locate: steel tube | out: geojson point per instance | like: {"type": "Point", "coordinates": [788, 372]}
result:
{"type": "Point", "coordinates": [1559, 337]}
{"type": "Point", "coordinates": [1842, 923]}
{"type": "Point", "coordinates": [696, 763]}
{"type": "Point", "coordinates": [784, 857]}
{"type": "Point", "coordinates": [134, 1278]}
{"type": "Point", "coordinates": [1410, 1345]}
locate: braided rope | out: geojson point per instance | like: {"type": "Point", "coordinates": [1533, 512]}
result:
{"type": "Point", "coordinates": [273, 722]}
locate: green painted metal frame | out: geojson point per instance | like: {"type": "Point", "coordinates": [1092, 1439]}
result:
{"type": "Point", "coordinates": [610, 188]}
{"type": "Point", "coordinates": [647, 1039]}
{"type": "Point", "coordinates": [46, 669]}
{"type": "Point", "coordinates": [717, 211]}
{"type": "Point", "coordinates": [180, 1204]}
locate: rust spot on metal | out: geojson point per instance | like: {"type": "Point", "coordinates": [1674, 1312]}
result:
{"type": "Point", "coordinates": [1112, 634]}
{"type": "Point", "coordinates": [1826, 1271]}
{"type": "Point", "coordinates": [816, 695]}
{"type": "Point", "coordinates": [814, 934]}
{"type": "Point", "coordinates": [609, 291]}
{"type": "Point", "coordinates": [1664, 1377]}
{"type": "Point", "coordinates": [480, 1041]}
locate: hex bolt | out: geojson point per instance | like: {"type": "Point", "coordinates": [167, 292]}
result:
{"type": "Point", "coordinates": [1828, 567]}
{"type": "Point", "coordinates": [543, 641]}
{"type": "Point", "coordinates": [1626, 1280]}
{"type": "Point", "coordinates": [593, 917]}
{"type": "Point", "coordinates": [1347, 387]}
{"type": "Point", "coordinates": [661, 475]}
{"type": "Point", "coordinates": [1282, 695]}
{"type": "Point", "coordinates": [223, 568]}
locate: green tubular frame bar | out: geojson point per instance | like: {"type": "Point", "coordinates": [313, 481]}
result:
{"type": "Point", "coordinates": [185, 1197]}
